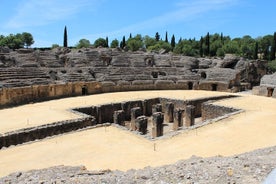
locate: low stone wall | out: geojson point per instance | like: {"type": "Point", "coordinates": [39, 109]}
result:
{"type": "Point", "coordinates": [211, 111]}
{"type": "Point", "coordinates": [30, 94]}
{"type": "Point", "coordinates": [43, 131]}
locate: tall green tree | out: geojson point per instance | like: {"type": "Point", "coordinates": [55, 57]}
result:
{"type": "Point", "coordinates": [65, 43]}
{"type": "Point", "coordinates": [166, 37]}
{"type": "Point", "coordinates": [256, 51]}
{"type": "Point", "coordinates": [123, 42]}
{"type": "Point", "coordinates": [106, 42]}
{"type": "Point", "coordinates": [201, 42]}
{"type": "Point", "coordinates": [173, 42]}
{"type": "Point", "coordinates": [207, 44]}
{"type": "Point", "coordinates": [157, 36]}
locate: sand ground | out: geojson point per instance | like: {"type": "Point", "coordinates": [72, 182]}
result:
{"type": "Point", "coordinates": [113, 148]}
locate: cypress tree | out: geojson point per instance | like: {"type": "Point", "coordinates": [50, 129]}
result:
{"type": "Point", "coordinates": [256, 51]}
{"type": "Point", "coordinates": [65, 44]}
{"type": "Point", "coordinates": [222, 39]}
{"type": "Point", "coordinates": [166, 37]}
{"type": "Point", "coordinates": [130, 36]}
{"type": "Point", "coordinates": [157, 36]}
{"type": "Point", "coordinates": [208, 44]}
{"type": "Point", "coordinates": [106, 42]}
{"type": "Point", "coordinates": [173, 42]}
{"type": "Point", "coordinates": [201, 47]}
{"type": "Point", "coordinates": [123, 42]}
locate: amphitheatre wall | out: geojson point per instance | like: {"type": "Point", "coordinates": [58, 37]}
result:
{"type": "Point", "coordinates": [28, 75]}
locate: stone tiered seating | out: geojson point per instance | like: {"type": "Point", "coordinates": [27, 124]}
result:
{"type": "Point", "coordinates": [49, 59]}
{"type": "Point", "coordinates": [17, 77]}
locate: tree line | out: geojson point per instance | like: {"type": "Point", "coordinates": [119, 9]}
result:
{"type": "Point", "coordinates": [17, 41]}
{"type": "Point", "coordinates": [210, 45]}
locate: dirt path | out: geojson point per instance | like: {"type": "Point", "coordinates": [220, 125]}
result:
{"type": "Point", "coordinates": [112, 148]}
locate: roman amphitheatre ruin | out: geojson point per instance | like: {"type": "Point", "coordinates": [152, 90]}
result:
{"type": "Point", "coordinates": [109, 109]}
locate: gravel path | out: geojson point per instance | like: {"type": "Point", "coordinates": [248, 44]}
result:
{"type": "Point", "coordinates": [252, 167]}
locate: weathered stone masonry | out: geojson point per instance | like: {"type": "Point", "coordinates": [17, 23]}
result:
{"type": "Point", "coordinates": [118, 113]}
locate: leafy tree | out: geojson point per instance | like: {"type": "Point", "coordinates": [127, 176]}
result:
{"type": "Point", "coordinates": [173, 42]}
{"type": "Point", "coordinates": [100, 42]}
{"type": "Point", "coordinates": [187, 47]}
{"type": "Point", "coordinates": [161, 45]}
{"type": "Point", "coordinates": [27, 39]}
{"type": "Point", "coordinates": [83, 43]}
{"type": "Point", "coordinates": [135, 43]}
{"type": "Point", "coordinates": [65, 44]}
{"type": "Point", "coordinates": [148, 41]}
{"type": "Point", "coordinates": [55, 46]}
{"type": "Point", "coordinates": [123, 42]}
{"type": "Point", "coordinates": [157, 36]}
{"type": "Point", "coordinates": [232, 47]}
{"type": "Point", "coordinates": [166, 37]}
{"type": "Point", "coordinates": [272, 65]}
{"type": "Point", "coordinates": [220, 52]}
{"type": "Point", "coordinates": [114, 43]}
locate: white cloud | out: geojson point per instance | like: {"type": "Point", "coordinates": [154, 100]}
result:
{"type": "Point", "coordinates": [43, 12]}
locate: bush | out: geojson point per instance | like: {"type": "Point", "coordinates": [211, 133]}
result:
{"type": "Point", "coordinates": [272, 66]}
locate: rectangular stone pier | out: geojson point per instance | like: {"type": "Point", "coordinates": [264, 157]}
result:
{"type": "Point", "coordinates": [157, 122]}
{"type": "Point", "coordinates": [119, 117]}
{"type": "Point", "coordinates": [142, 124]}
{"type": "Point", "coordinates": [178, 118]}
{"type": "Point", "coordinates": [169, 108]}
{"type": "Point", "coordinates": [189, 115]}
{"type": "Point", "coordinates": [135, 112]}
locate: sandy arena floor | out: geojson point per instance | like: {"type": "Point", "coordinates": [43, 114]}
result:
{"type": "Point", "coordinates": [112, 148]}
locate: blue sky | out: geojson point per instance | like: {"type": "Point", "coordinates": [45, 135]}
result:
{"type": "Point", "coordinates": [91, 19]}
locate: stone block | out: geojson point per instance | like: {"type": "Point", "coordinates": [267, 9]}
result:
{"type": "Point", "coordinates": [141, 124]}
{"type": "Point", "coordinates": [135, 112]}
{"type": "Point", "coordinates": [119, 117]}
{"type": "Point", "coordinates": [178, 117]}
{"type": "Point", "coordinates": [169, 108]}
{"type": "Point", "coordinates": [157, 122]}
{"type": "Point", "coordinates": [189, 115]}
{"type": "Point", "coordinates": [156, 108]}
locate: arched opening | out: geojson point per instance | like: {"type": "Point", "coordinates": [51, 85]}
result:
{"type": "Point", "coordinates": [154, 75]}
{"type": "Point", "coordinates": [84, 90]}
{"type": "Point", "coordinates": [270, 92]}
{"type": "Point", "coordinates": [190, 85]}
{"type": "Point", "coordinates": [203, 75]}
{"type": "Point", "coordinates": [214, 87]}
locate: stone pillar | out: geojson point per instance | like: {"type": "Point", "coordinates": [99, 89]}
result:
{"type": "Point", "coordinates": [169, 107]}
{"type": "Point", "coordinates": [156, 108]}
{"type": "Point", "coordinates": [157, 122]}
{"type": "Point", "coordinates": [189, 115]}
{"type": "Point", "coordinates": [142, 124]}
{"type": "Point", "coordinates": [178, 119]}
{"type": "Point", "coordinates": [134, 113]}
{"type": "Point", "coordinates": [119, 117]}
